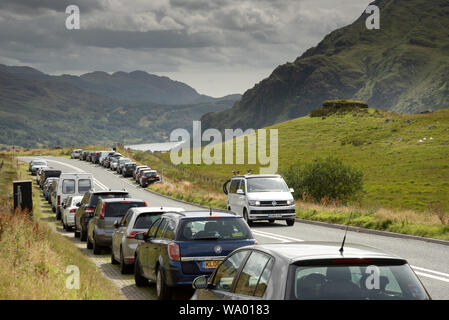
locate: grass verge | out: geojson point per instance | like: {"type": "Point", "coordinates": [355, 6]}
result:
{"type": "Point", "coordinates": [34, 258]}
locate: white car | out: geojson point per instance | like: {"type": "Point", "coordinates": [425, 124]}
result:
{"type": "Point", "coordinates": [76, 154]}
{"type": "Point", "coordinates": [37, 164]}
{"type": "Point", "coordinates": [68, 212]}
{"type": "Point", "coordinates": [136, 220]}
{"type": "Point", "coordinates": [261, 197]}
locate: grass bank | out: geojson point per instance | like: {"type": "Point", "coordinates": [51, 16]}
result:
{"type": "Point", "coordinates": [34, 258]}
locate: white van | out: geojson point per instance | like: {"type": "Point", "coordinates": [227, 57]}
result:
{"type": "Point", "coordinates": [261, 197]}
{"type": "Point", "coordinates": [104, 154]}
{"type": "Point", "coordinates": [70, 185]}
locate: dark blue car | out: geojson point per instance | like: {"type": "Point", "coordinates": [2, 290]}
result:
{"type": "Point", "coordinates": [181, 246]}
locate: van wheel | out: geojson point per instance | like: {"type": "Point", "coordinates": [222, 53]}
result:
{"type": "Point", "coordinates": [245, 216]}
{"type": "Point", "coordinates": [163, 291]}
{"type": "Point", "coordinates": [138, 278]}
{"type": "Point", "coordinates": [271, 220]}
{"type": "Point", "coordinates": [83, 235]}
{"type": "Point", "coordinates": [76, 233]}
{"type": "Point", "coordinates": [290, 222]}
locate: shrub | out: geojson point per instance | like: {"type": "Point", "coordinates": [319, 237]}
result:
{"type": "Point", "coordinates": [327, 178]}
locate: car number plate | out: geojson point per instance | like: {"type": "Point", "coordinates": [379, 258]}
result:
{"type": "Point", "coordinates": [212, 264]}
{"type": "Point", "coordinates": [275, 215]}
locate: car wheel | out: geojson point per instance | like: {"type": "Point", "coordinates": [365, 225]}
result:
{"type": "Point", "coordinates": [76, 233]}
{"type": "Point", "coordinates": [113, 261]}
{"type": "Point", "coordinates": [53, 209]}
{"type": "Point", "coordinates": [163, 291]}
{"type": "Point", "coordinates": [245, 216]}
{"type": "Point", "coordinates": [88, 243]}
{"type": "Point", "coordinates": [271, 220]}
{"type": "Point", "coordinates": [96, 248]}
{"type": "Point", "coordinates": [138, 278]}
{"type": "Point", "coordinates": [290, 222]}
{"type": "Point", "coordinates": [124, 268]}
{"type": "Point", "coordinates": [63, 225]}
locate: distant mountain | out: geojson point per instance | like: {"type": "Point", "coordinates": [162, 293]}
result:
{"type": "Point", "coordinates": [402, 67]}
{"type": "Point", "coordinates": [37, 109]}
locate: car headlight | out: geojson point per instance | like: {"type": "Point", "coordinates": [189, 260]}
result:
{"type": "Point", "coordinates": [290, 202]}
{"type": "Point", "coordinates": [254, 202]}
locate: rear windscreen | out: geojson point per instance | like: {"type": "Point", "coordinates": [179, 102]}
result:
{"type": "Point", "coordinates": [84, 185]}
{"type": "Point", "coordinates": [358, 282]}
{"type": "Point", "coordinates": [119, 209]}
{"type": "Point", "coordinates": [145, 220]}
{"type": "Point", "coordinates": [68, 186]}
{"type": "Point", "coordinates": [96, 197]}
{"type": "Point", "coordinates": [214, 229]}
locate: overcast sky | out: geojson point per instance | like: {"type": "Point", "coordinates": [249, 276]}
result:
{"type": "Point", "coordinates": [218, 47]}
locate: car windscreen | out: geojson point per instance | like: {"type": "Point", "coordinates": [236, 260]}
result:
{"type": "Point", "coordinates": [267, 185]}
{"type": "Point", "coordinates": [354, 282]}
{"type": "Point", "coordinates": [52, 174]}
{"type": "Point", "coordinates": [119, 209]}
{"type": "Point", "coordinates": [145, 220]}
{"type": "Point", "coordinates": [215, 228]}
{"type": "Point", "coordinates": [84, 185]}
{"type": "Point", "coordinates": [39, 163]}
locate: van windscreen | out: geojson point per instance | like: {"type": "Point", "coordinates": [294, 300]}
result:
{"type": "Point", "coordinates": [119, 209]}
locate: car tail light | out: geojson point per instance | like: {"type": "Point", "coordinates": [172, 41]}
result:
{"type": "Point", "coordinates": [255, 242]}
{"type": "Point", "coordinates": [103, 210]}
{"type": "Point", "coordinates": [72, 210]}
{"type": "Point", "coordinates": [59, 200]}
{"type": "Point", "coordinates": [89, 210]}
{"type": "Point", "coordinates": [132, 234]}
{"type": "Point", "coordinates": [173, 251]}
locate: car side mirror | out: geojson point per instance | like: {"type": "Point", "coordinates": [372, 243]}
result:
{"type": "Point", "coordinates": [140, 236]}
{"type": "Point", "coordinates": [78, 204]}
{"type": "Point", "coordinates": [116, 224]}
{"type": "Point", "coordinates": [292, 190]}
{"type": "Point", "coordinates": [200, 283]}
{"type": "Point", "coordinates": [240, 191]}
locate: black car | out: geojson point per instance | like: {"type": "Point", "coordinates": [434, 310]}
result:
{"type": "Point", "coordinates": [311, 271]}
{"type": "Point", "coordinates": [48, 173]}
{"type": "Point", "coordinates": [128, 169]}
{"type": "Point", "coordinates": [180, 246]}
{"type": "Point", "coordinates": [87, 208]}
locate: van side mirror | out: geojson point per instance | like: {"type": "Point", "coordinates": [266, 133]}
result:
{"type": "Point", "coordinates": [291, 190]}
{"type": "Point", "coordinates": [78, 204]}
{"type": "Point", "coordinates": [116, 224]}
{"type": "Point", "coordinates": [240, 191]}
{"type": "Point", "coordinates": [140, 236]}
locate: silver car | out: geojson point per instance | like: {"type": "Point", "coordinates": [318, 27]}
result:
{"type": "Point", "coordinates": [68, 212]}
{"type": "Point", "coordinates": [136, 220]}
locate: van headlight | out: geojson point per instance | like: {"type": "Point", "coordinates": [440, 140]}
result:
{"type": "Point", "coordinates": [290, 202]}
{"type": "Point", "coordinates": [254, 202]}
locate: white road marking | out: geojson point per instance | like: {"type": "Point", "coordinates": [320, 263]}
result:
{"type": "Point", "coordinates": [270, 237]}
{"type": "Point", "coordinates": [276, 235]}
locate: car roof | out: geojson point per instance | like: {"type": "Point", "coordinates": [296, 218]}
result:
{"type": "Point", "coordinates": [319, 250]}
{"type": "Point", "coordinates": [111, 200]}
{"type": "Point", "coordinates": [249, 176]}
{"type": "Point", "coordinates": [140, 210]}
{"type": "Point", "coordinates": [109, 191]}
{"type": "Point", "coordinates": [204, 214]}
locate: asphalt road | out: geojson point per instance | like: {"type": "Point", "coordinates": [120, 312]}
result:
{"type": "Point", "coordinates": [429, 260]}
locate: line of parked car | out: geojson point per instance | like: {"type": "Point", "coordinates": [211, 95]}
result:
{"type": "Point", "coordinates": [215, 253]}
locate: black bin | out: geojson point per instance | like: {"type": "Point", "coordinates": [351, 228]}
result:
{"type": "Point", "coordinates": [23, 195]}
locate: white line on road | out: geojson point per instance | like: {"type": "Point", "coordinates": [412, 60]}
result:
{"type": "Point", "coordinates": [276, 235]}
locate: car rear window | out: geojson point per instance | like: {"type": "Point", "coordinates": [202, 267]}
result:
{"type": "Point", "coordinates": [119, 209]}
{"type": "Point", "coordinates": [150, 174]}
{"type": "Point", "coordinates": [84, 185]}
{"type": "Point", "coordinates": [145, 220]}
{"type": "Point", "coordinates": [214, 229]}
{"type": "Point", "coordinates": [355, 282]}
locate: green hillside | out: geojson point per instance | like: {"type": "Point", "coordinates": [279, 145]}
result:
{"type": "Point", "coordinates": [401, 67]}
{"type": "Point", "coordinates": [400, 172]}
